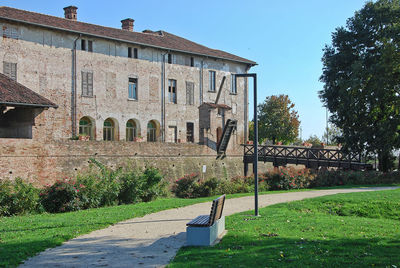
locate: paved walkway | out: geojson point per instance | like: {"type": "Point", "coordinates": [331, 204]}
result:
{"type": "Point", "coordinates": [153, 240]}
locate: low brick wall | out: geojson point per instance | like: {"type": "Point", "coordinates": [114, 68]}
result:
{"type": "Point", "coordinates": [43, 163]}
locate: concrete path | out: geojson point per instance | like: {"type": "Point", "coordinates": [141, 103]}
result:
{"type": "Point", "coordinates": [153, 240]}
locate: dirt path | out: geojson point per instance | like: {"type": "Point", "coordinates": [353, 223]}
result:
{"type": "Point", "coordinates": [153, 240]}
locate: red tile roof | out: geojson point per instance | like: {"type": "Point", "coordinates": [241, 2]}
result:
{"type": "Point", "coordinates": [213, 105]}
{"type": "Point", "coordinates": [159, 39]}
{"type": "Point", "coordinates": [13, 93]}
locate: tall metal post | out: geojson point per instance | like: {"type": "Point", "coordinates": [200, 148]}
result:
{"type": "Point", "coordinates": [255, 142]}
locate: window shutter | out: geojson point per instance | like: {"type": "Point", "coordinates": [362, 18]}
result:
{"type": "Point", "coordinates": [7, 68]}
{"type": "Point", "coordinates": [189, 93]}
{"type": "Point", "coordinates": [10, 70]}
{"type": "Point", "coordinates": [84, 84]}
{"type": "Point", "coordinates": [90, 84]}
{"type": "Point", "coordinates": [13, 71]}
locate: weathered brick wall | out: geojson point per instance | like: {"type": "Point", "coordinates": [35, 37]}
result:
{"type": "Point", "coordinates": [43, 163]}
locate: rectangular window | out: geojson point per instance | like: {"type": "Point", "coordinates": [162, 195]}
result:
{"type": "Point", "coordinates": [212, 81]}
{"type": "Point", "coordinates": [90, 46]}
{"type": "Point", "coordinates": [129, 52]}
{"type": "Point", "coordinates": [233, 84]}
{"type": "Point", "coordinates": [10, 69]}
{"type": "Point", "coordinates": [132, 88]}
{"type": "Point", "coordinates": [221, 112]}
{"type": "Point", "coordinates": [191, 62]}
{"type": "Point", "coordinates": [189, 93]}
{"type": "Point", "coordinates": [83, 44]}
{"type": "Point", "coordinates": [135, 53]}
{"type": "Point", "coordinates": [169, 58]}
{"type": "Point", "coordinates": [172, 90]}
{"type": "Point", "coordinates": [87, 84]}
{"type": "Point", "coordinates": [189, 132]}
{"type": "Point", "coordinates": [10, 32]}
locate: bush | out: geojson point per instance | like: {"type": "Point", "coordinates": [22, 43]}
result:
{"type": "Point", "coordinates": [108, 185]}
{"type": "Point", "coordinates": [17, 198]}
{"type": "Point", "coordinates": [208, 187]}
{"type": "Point", "coordinates": [152, 186]}
{"type": "Point", "coordinates": [137, 187]}
{"type": "Point", "coordinates": [289, 178]}
{"type": "Point", "coordinates": [62, 196]}
{"type": "Point", "coordinates": [91, 193]}
{"type": "Point", "coordinates": [187, 186]}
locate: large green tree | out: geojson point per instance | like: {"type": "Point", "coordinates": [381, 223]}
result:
{"type": "Point", "coordinates": [361, 76]}
{"type": "Point", "coordinates": [277, 120]}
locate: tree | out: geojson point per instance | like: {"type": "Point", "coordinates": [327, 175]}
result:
{"type": "Point", "coordinates": [331, 135]}
{"type": "Point", "coordinates": [277, 120]}
{"type": "Point", "coordinates": [314, 140]}
{"type": "Point", "coordinates": [361, 76]}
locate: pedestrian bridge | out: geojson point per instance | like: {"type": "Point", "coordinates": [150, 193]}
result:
{"type": "Point", "coordinates": [281, 155]}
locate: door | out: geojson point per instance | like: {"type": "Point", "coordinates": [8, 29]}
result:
{"type": "Point", "coordinates": [219, 134]}
{"type": "Point", "coordinates": [172, 137]}
{"type": "Point", "coordinates": [189, 132]}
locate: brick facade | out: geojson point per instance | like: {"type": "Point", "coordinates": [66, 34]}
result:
{"type": "Point", "coordinates": [49, 60]}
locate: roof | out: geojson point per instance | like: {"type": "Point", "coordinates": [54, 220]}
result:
{"type": "Point", "coordinates": [13, 93]}
{"type": "Point", "coordinates": [213, 105]}
{"type": "Point", "coordinates": [159, 39]}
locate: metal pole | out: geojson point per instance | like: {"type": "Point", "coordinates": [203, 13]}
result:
{"type": "Point", "coordinates": [255, 142]}
{"type": "Point", "coordinates": [255, 148]}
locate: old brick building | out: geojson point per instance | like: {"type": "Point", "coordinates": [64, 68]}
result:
{"type": "Point", "coordinates": [116, 84]}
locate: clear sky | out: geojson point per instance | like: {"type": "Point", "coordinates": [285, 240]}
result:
{"type": "Point", "coordinates": [285, 38]}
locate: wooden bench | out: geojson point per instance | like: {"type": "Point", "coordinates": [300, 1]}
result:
{"type": "Point", "coordinates": [204, 230]}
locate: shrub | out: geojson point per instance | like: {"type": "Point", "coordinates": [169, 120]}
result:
{"type": "Point", "coordinates": [131, 188]}
{"type": "Point", "coordinates": [153, 186]}
{"type": "Point", "coordinates": [62, 196]}
{"type": "Point", "coordinates": [90, 192]}
{"type": "Point", "coordinates": [186, 186]}
{"type": "Point", "coordinates": [108, 184]}
{"type": "Point", "coordinates": [137, 186]}
{"type": "Point", "coordinates": [289, 178]}
{"type": "Point", "coordinates": [208, 187]}
{"type": "Point", "coordinates": [17, 198]}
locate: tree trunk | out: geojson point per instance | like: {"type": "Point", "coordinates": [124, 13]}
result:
{"type": "Point", "coordinates": [398, 164]}
{"type": "Point", "coordinates": [384, 161]}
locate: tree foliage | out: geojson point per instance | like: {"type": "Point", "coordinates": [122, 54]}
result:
{"type": "Point", "coordinates": [361, 76]}
{"type": "Point", "coordinates": [277, 120]}
{"type": "Point", "coordinates": [332, 135]}
{"type": "Point", "coordinates": [314, 140]}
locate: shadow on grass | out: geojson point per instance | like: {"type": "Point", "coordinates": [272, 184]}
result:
{"type": "Point", "coordinates": [242, 251]}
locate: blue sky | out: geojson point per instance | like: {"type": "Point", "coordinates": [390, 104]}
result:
{"type": "Point", "coordinates": [285, 38]}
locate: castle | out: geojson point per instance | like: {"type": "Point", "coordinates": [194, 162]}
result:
{"type": "Point", "coordinates": [138, 94]}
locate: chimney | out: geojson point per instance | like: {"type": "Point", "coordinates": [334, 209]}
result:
{"type": "Point", "coordinates": [127, 24]}
{"type": "Point", "coordinates": [70, 12]}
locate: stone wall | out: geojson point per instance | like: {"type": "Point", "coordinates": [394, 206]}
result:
{"type": "Point", "coordinates": [43, 163]}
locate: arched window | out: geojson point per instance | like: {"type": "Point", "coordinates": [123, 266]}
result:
{"type": "Point", "coordinates": [108, 130]}
{"type": "Point", "coordinates": [131, 130]}
{"type": "Point", "coordinates": [86, 127]}
{"type": "Point", "coordinates": [151, 131]}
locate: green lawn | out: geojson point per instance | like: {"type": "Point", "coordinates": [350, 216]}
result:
{"type": "Point", "coordinates": [345, 230]}
{"type": "Point", "coordinates": [25, 236]}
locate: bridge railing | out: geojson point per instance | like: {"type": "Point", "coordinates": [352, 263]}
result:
{"type": "Point", "coordinates": [303, 153]}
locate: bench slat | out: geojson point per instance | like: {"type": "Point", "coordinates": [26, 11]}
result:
{"type": "Point", "coordinates": [215, 214]}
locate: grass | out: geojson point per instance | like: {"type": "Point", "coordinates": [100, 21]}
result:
{"type": "Point", "coordinates": [24, 236]}
{"type": "Point", "coordinates": [344, 230]}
